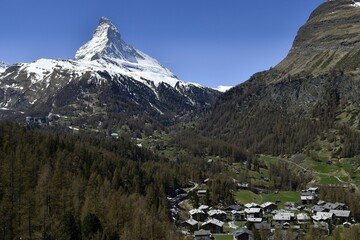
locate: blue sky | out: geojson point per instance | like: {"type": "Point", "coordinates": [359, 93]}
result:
{"type": "Point", "coordinates": [205, 41]}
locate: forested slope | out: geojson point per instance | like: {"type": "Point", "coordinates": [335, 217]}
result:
{"type": "Point", "coordinates": [82, 187]}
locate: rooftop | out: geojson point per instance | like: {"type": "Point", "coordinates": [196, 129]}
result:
{"type": "Point", "coordinates": [214, 222]}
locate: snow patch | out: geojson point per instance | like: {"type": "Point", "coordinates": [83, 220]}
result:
{"type": "Point", "coordinates": [223, 88]}
{"type": "Point", "coordinates": [356, 4]}
{"type": "Point", "coordinates": [14, 86]}
{"type": "Point", "coordinates": [32, 102]}
{"type": "Point", "coordinates": [74, 128]}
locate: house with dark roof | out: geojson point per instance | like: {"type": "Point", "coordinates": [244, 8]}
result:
{"type": "Point", "coordinates": [203, 235]}
{"type": "Point", "coordinates": [341, 216]}
{"type": "Point", "coordinates": [213, 225]}
{"type": "Point", "coordinates": [313, 190]}
{"type": "Point", "coordinates": [268, 207]}
{"type": "Point", "coordinates": [284, 217]}
{"type": "Point", "coordinates": [198, 215]}
{"type": "Point", "coordinates": [251, 205]}
{"type": "Point", "coordinates": [231, 208]}
{"type": "Point", "coordinates": [217, 214]}
{"type": "Point", "coordinates": [315, 209]}
{"type": "Point", "coordinates": [254, 213]}
{"type": "Point", "coordinates": [243, 234]}
{"type": "Point", "coordinates": [238, 215]}
{"type": "Point", "coordinates": [190, 225]}
{"type": "Point", "coordinates": [323, 217]}
{"type": "Point", "coordinates": [335, 206]}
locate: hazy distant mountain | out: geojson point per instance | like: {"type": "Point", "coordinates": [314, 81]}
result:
{"type": "Point", "coordinates": [313, 92]}
{"type": "Point", "coordinates": [109, 81]}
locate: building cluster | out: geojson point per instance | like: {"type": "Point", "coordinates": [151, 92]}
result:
{"type": "Point", "coordinates": [205, 220]}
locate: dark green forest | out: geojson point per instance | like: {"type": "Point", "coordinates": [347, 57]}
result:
{"type": "Point", "coordinates": [89, 186]}
{"type": "Point", "coordinates": [82, 187]}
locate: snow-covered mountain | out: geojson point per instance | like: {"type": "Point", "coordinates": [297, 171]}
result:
{"type": "Point", "coordinates": [106, 47]}
{"type": "Point", "coordinates": [107, 79]}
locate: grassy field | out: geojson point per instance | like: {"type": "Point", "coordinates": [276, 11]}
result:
{"type": "Point", "coordinates": [245, 196]}
{"type": "Point", "coordinates": [343, 169]}
{"type": "Point", "coordinates": [347, 170]}
{"type": "Point", "coordinates": [223, 237]}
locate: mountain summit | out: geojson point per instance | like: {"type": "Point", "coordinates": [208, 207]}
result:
{"type": "Point", "coordinates": [106, 42]}
{"type": "Point", "coordinates": [109, 81]}
{"type": "Point", "coordinates": [107, 47]}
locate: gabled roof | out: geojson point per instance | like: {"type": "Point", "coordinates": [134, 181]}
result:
{"type": "Point", "coordinates": [214, 222]}
{"type": "Point", "coordinates": [251, 205]}
{"type": "Point", "coordinates": [216, 212]}
{"type": "Point", "coordinates": [233, 212]}
{"type": "Point", "coordinates": [306, 194]}
{"type": "Point", "coordinates": [317, 208]}
{"type": "Point", "coordinates": [253, 210]}
{"type": "Point", "coordinates": [267, 204]}
{"type": "Point", "coordinates": [233, 207]}
{"type": "Point", "coordinates": [283, 216]}
{"type": "Point", "coordinates": [191, 222]}
{"type": "Point", "coordinates": [341, 213]}
{"type": "Point", "coordinates": [334, 206]}
{"type": "Point", "coordinates": [254, 220]}
{"type": "Point", "coordinates": [241, 231]}
{"type": "Point", "coordinates": [196, 211]}
{"type": "Point", "coordinates": [306, 197]}
{"type": "Point", "coordinates": [303, 217]}
{"type": "Point", "coordinates": [203, 207]}
{"type": "Point", "coordinates": [322, 216]}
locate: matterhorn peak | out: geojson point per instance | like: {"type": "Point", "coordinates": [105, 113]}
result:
{"type": "Point", "coordinates": [107, 43]}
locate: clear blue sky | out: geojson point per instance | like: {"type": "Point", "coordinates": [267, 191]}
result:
{"type": "Point", "coordinates": [210, 42]}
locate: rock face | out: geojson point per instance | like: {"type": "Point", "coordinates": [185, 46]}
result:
{"type": "Point", "coordinates": [109, 81]}
{"type": "Point", "coordinates": [314, 89]}
{"type": "Point", "coordinates": [329, 40]}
